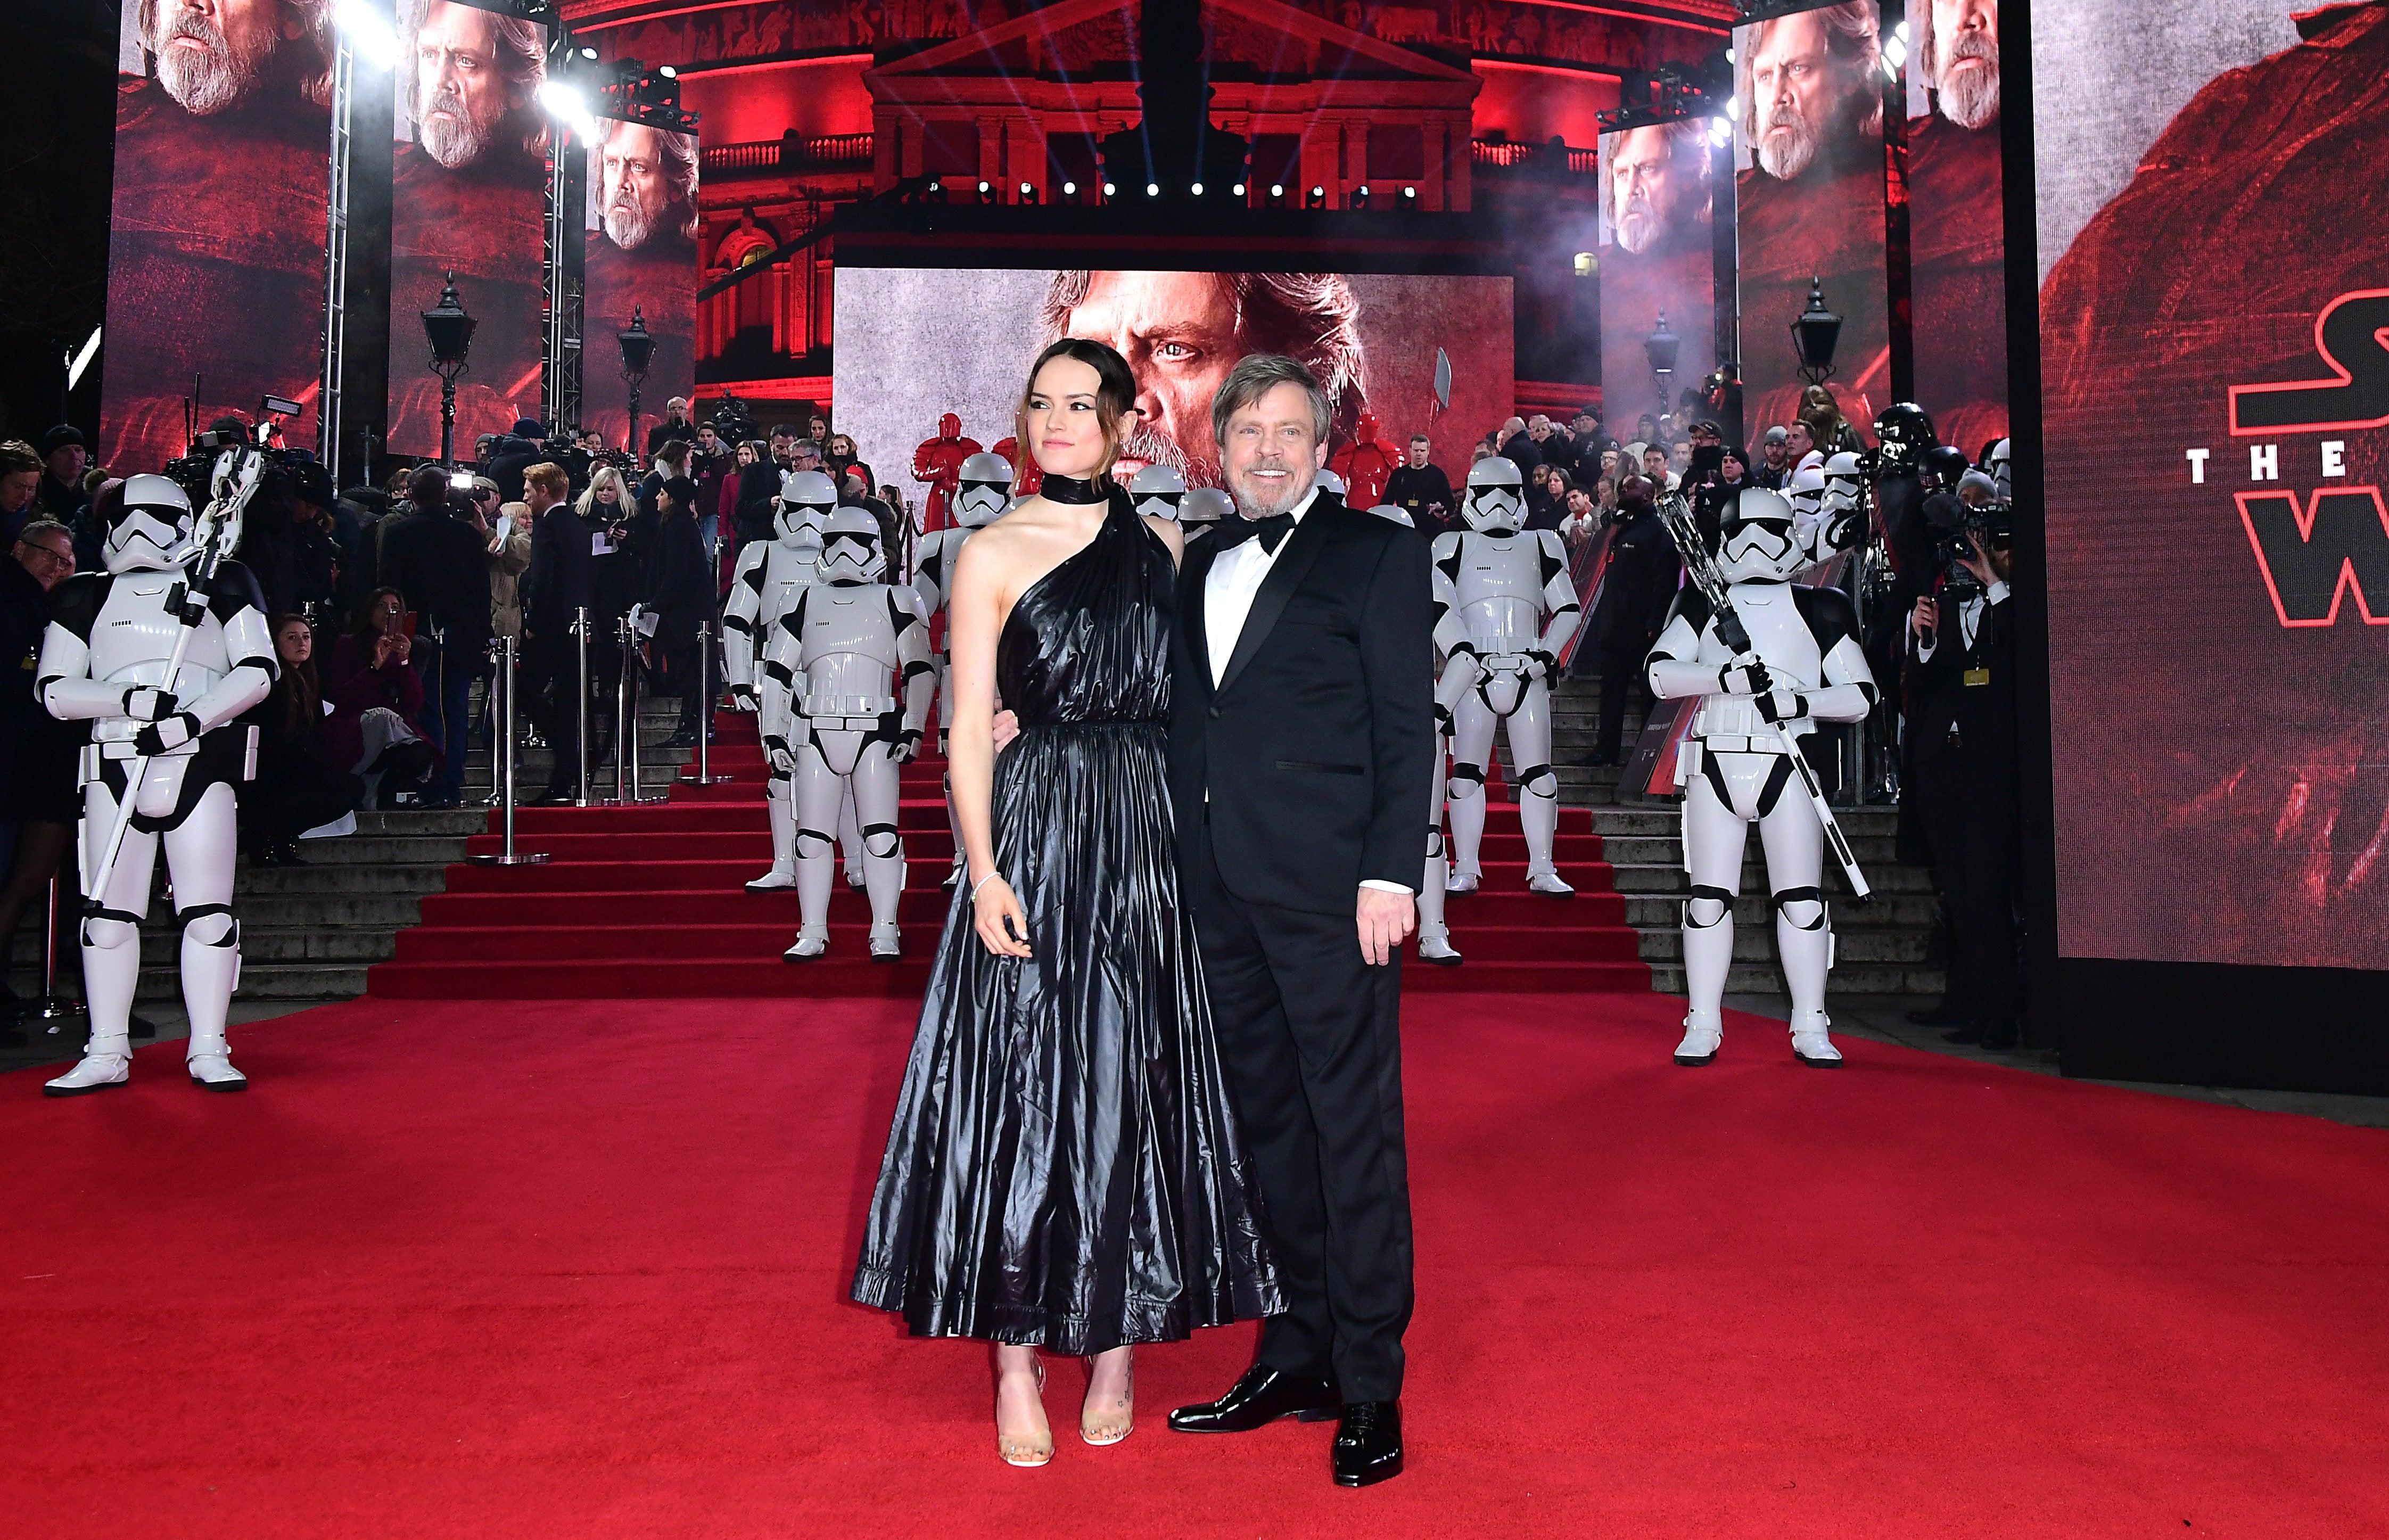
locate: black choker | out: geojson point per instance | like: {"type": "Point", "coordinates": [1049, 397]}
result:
{"type": "Point", "coordinates": [1070, 489]}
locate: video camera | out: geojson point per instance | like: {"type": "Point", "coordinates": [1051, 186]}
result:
{"type": "Point", "coordinates": [193, 471]}
{"type": "Point", "coordinates": [1956, 529]}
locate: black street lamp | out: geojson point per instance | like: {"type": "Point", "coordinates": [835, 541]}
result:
{"type": "Point", "coordinates": [1660, 348]}
{"type": "Point", "coordinates": [451, 331]}
{"type": "Point", "coordinates": [1814, 333]}
{"type": "Point", "coordinates": [638, 352]}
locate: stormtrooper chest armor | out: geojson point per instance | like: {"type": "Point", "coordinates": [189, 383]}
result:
{"type": "Point", "coordinates": [847, 651]}
{"type": "Point", "coordinates": [1782, 640]}
{"type": "Point", "coordinates": [1500, 589]}
{"type": "Point", "coordinates": [787, 570]}
{"type": "Point", "coordinates": [134, 634]}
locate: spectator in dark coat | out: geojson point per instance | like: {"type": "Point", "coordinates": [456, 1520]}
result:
{"type": "Point", "coordinates": [510, 455]}
{"type": "Point", "coordinates": [569, 573]}
{"type": "Point", "coordinates": [1636, 589]}
{"type": "Point", "coordinates": [299, 786]}
{"type": "Point", "coordinates": [60, 495]}
{"type": "Point", "coordinates": [679, 589]}
{"type": "Point", "coordinates": [37, 752]}
{"type": "Point", "coordinates": [438, 557]}
{"type": "Point", "coordinates": [376, 722]}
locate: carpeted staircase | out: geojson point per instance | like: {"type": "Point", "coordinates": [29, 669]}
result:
{"type": "Point", "coordinates": [648, 902]}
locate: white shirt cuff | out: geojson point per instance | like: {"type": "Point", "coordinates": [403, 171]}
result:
{"type": "Point", "coordinates": [1387, 887]}
{"type": "Point", "coordinates": [1996, 593]}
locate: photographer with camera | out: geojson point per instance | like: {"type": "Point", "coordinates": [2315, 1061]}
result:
{"type": "Point", "coordinates": [1962, 777]}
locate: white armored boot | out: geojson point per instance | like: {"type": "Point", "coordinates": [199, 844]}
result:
{"type": "Point", "coordinates": [210, 971]}
{"type": "Point", "coordinates": [1539, 817]}
{"type": "Point", "coordinates": [1433, 936]}
{"type": "Point", "coordinates": [107, 1063]}
{"type": "Point", "coordinates": [1709, 954]}
{"type": "Point", "coordinates": [1466, 806]}
{"type": "Point", "coordinates": [816, 873]}
{"type": "Point", "coordinates": [1805, 940]}
{"type": "Point", "coordinates": [780, 802]}
{"type": "Point", "coordinates": [885, 875]}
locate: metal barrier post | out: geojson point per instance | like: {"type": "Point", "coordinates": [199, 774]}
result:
{"type": "Point", "coordinates": [503, 677]}
{"type": "Point", "coordinates": [626, 727]}
{"type": "Point", "coordinates": [580, 710]}
{"type": "Point", "coordinates": [53, 1009]}
{"type": "Point", "coordinates": [707, 687]}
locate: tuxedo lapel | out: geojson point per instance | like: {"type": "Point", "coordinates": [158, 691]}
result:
{"type": "Point", "coordinates": [1190, 580]}
{"type": "Point", "coordinates": [1302, 548]}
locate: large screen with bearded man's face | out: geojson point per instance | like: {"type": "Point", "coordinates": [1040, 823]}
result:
{"type": "Point", "coordinates": [467, 184]}
{"type": "Point", "coordinates": [216, 239]}
{"type": "Point", "coordinates": [916, 343]}
{"type": "Point", "coordinates": [643, 223]}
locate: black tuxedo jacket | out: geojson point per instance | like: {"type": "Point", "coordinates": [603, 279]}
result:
{"type": "Point", "coordinates": [1317, 748]}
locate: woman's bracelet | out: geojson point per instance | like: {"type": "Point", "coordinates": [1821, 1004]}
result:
{"type": "Point", "coordinates": [991, 877]}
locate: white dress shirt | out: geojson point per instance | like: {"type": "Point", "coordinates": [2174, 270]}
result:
{"type": "Point", "coordinates": [1228, 592]}
{"type": "Point", "coordinates": [1968, 617]}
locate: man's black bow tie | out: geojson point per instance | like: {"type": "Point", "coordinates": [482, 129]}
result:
{"type": "Point", "coordinates": [1270, 531]}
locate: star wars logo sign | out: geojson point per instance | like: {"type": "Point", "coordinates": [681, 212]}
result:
{"type": "Point", "coordinates": [2335, 543]}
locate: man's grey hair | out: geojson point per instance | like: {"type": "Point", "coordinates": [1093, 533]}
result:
{"type": "Point", "coordinates": [676, 159]}
{"type": "Point", "coordinates": [1257, 374]}
{"type": "Point", "coordinates": [522, 63]}
{"type": "Point", "coordinates": [1852, 39]}
{"type": "Point", "coordinates": [312, 74]}
{"type": "Point", "coordinates": [1313, 318]}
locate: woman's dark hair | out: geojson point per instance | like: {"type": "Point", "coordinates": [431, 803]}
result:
{"type": "Point", "coordinates": [297, 698]}
{"type": "Point", "coordinates": [363, 630]}
{"type": "Point", "coordinates": [1114, 393]}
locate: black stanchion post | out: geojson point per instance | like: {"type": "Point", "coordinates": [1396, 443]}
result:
{"type": "Point", "coordinates": [503, 682]}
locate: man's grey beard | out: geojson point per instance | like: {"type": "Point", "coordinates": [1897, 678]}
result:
{"type": "Point", "coordinates": [1970, 98]}
{"type": "Point", "coordinates": [208, 80]}
{"type": "Point", "coordinates": [1252, 504]}
{"type": "Point", "coordinates": [1638, 228]}
{"type": "Point", "coordinates": [1153, 446]}
{"type": "Point", "coordinates": [454, 142]}
{"type": "Point", "coordinates": [1786, 157]}
{"type": "Point", "coordinates": [627, 223]}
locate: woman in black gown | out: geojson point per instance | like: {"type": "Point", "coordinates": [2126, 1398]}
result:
{"type": "Point", "coordinates": [1064, 1171]}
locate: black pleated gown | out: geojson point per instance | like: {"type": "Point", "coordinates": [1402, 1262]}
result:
{"type": "Point", "coordinates": [1065, 1169]}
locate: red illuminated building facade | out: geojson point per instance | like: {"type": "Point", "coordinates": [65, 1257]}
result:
{"type": "Point", "coordinates": [1484, 107]}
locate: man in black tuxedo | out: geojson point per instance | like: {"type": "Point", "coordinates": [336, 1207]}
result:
{"type": "Point", "coordinates": [1301, 748]}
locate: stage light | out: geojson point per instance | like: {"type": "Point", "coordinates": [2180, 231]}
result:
{"type": "Point", "coordinates": [1198, 189]}
{"type": "Point", "coordinates": [1238, 189]}
{"type": "Point", "coordinates": [367, 32]}
{"type": "Point", "coordinates": [1360, 195]}
{"type": "Point", "coordinates": [985, 193]}
{"type": "Point", "coordinates": [567, 106]}
{"type": "Point", "coordinates": [1409, 194]}
{"type": "Point", "coordinates": [1153, 189]}
{"type": "Point", "coordinates": [667, 72]}
{"type": "Point", "coordinates": [1895, 54]}
{"type": "Point", "coordinates": [1587, 264]}
{"type": "Point", "coordinates": [1720, 132]}
{"type": "Point", "coordinates": [1729, 56]}
{"type": "Point", "coordinates": [1029, 192]}
{"type": "Point", "coordinates": [1318, 198]}
{"type": "Point", "coordinates": [1111, 189]}
{"type": "Point", "coordinates": [589, 53]}
{"type": "Point", "coordinates": [1277, 195]}
{"type": "Point", "coordinates": [82, 360]}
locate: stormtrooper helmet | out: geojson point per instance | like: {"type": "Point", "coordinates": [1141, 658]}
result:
{"type": "Point", "coordinates": [1495, 503]}
{"type": "Point", "coordinates": [1806, 490]}
{"type": "Point", "coordinates": [1204, 505]}
{"type": "Point", "coordinates": [807, 501]}
{"type": "Point", "coordinates": [1158, 490]}
{"type": "Point", "coordinates": [1836, 529]}
{"type": "Point", "coordinates": [1755, 542]}
{"type": "Point", "coordinates": [1996, 464]}
{"type": "Point", "coordinates": [985, 491]}
{"type": "Point", "coordinates": [1392, 515]}
{"type": "Point", "coordinates": [1328, 482]}
{"type": "Point", "coordinates": [153, 529]}
{"type": "Point", "coordinates": [850, 551]}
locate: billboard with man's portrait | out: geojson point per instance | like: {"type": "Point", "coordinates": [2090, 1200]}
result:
{"type": "Point", "coordinates": [915, 343]}
{"type": "Point", "coordinates": [1659, 263]}
{"type": "Point", "coordinates": [1809, 206]}
{"type": "Point", "coordinates": [1956, 238]}
{"type": "Point", "coordinates": [467, 187]}
{"type": "Point", "coordinates": [642, 217]}
{"type": "Point", "coordinates": [216, 238]}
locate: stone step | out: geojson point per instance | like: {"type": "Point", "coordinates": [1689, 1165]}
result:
{"type": "Point", "coordinates": [260, 981]}
{"type": "Point", "coordinates": [1637, 878]}
{"type": "Point", "coordinates": [1888, 911]}
{"type": "Point", "coordinates": [1661, 822]}
{"type": "Point", "coordinates": [1872, 850]}
{"type": "Point", "coordinates": [1755, 943]}
{"type": "Point", "coordinates": [410, 879]}
{"type": "Point", "coordinates": [259, 944]}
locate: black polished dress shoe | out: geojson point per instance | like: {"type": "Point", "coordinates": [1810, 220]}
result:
{"type": "Point", "coordinates": [1262, 1396]}
{"type": "Point", "coordinates": [1369, 1443]}
{"type": "Point", "coordinates": [1969, 1036]}
{"type": "Point", "coordinates": [1943, 1015]}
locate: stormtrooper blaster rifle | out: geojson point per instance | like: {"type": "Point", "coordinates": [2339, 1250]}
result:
{"type": "Point", "coordinates": [237, 473]}
{"type": "Point", "coordinates": [1702, 566]}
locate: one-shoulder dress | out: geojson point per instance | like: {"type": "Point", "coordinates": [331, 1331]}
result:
{"type": "Point", "coordinates": [1065, 1169]}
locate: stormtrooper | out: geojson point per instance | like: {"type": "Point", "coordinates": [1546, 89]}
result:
{"type": "Point", "coordinates": [1840, 516]}
{"type": "Point", "coordinates": [982, 496]}
{"type": "Point", "coordinates": [171, 749]}
{"type": "Point", "coordinates": [768, 576]}
{"type": "Point", "coordinates": [1504, 607]}
{"type": "Point", "coordinates": [1804, 665]}
{"type": "Point", "coordinates": [1328, 482]}
{"type": "Point", "coordinates": [847, 679]}
{"type": "Point", "coordinates": [1201, 509]}
{"type": "Point", "coordinates": [1158, 490]}
{"type": "Point", "coordinates": [1433, 936]}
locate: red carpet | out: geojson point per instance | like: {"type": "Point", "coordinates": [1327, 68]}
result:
{"type": "Point", "coordinates": [573, 1270]}
{"type": "Point", "coordinates": [649, 902]}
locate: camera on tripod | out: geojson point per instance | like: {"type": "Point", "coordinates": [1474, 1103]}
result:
{"type": "Point", "coordinates": [195, 470]}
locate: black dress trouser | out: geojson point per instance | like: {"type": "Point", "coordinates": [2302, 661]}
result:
{"type": "Point", "coordinates": [1310, 1036]}
{"type": "Point", "coordinates": [1968, 809]}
